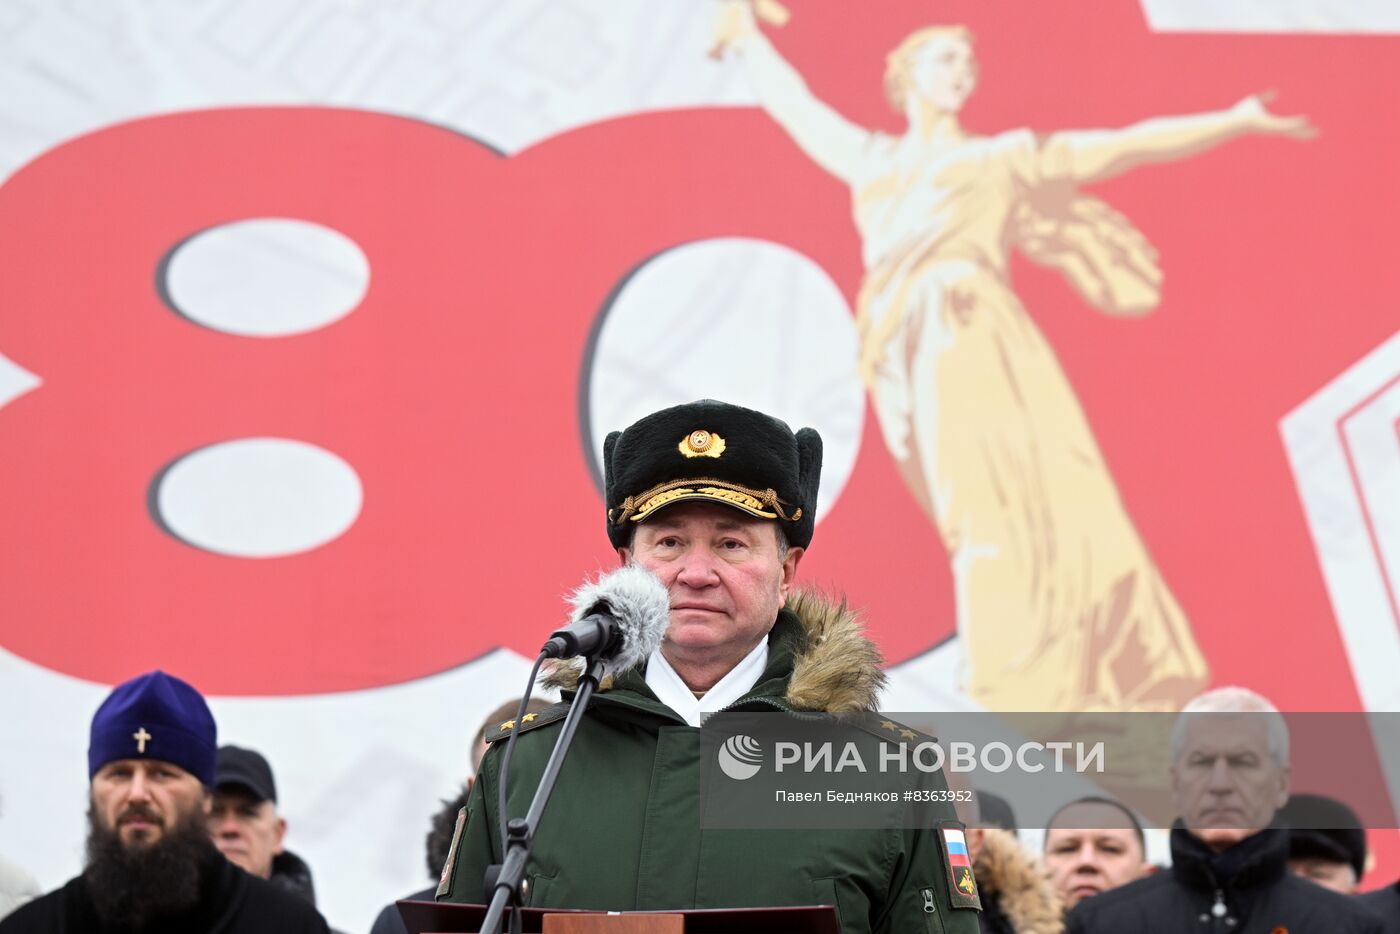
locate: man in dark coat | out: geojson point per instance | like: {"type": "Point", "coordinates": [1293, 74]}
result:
{"type": "Point", "coordinates": [1384, 904]}
{"type": "Point", "coordinates": [1229, 869]}
{"type": "Point", "coordinates": [151, 867]}
{"type": "Point", "coordinates": [719, 503]}
{"type": "Point", "coordinates": [245, 824]}
{"type": "Point", "coordinates": [1327, 843]}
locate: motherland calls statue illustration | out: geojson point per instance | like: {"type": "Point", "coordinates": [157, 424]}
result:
{"type": "Point", "coordinates": [1059, 604]}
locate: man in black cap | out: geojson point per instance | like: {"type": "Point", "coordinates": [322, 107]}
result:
{"type": "Point", "coordinates": [1326, 842]}
{"type": "Point", "coordinates": [150, 864]}
{"type": "Point", "coordinates": [245, 824]}
{"type": "Point", "coordinates": [719, 503]}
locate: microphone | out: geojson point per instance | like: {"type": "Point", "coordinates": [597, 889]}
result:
{"type": "Point", "coordinates": [618, 621]}
{"type": "Point", "coordinates": [620, 617]}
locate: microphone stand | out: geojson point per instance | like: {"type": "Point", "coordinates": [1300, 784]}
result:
{"type": "Point", "coordinates": [520, 832]}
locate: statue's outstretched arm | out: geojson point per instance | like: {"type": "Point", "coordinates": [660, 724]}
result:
{"type": "Point", "coordinates": [1094, 155]}
{"type": "Point", "coordinates": [829, 139]}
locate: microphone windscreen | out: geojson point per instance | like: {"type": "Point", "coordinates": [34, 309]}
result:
{"type": "Point", "coordinates": [640, 604]}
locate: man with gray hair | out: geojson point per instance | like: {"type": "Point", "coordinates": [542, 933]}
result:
{"type": "Point", "coordinates": [1230, 774]}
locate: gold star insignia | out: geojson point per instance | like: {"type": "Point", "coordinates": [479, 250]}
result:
{"type": "Point", "coordinates": [701, 443]}
{"type": "Point", "coordinates": [908, 734]}
{"type": "Point", "coordinates": [508, 725]}
{"type": "Point", "coordinates": [528, 717]}
{"type": "Point", "coordinates": [888, 725]}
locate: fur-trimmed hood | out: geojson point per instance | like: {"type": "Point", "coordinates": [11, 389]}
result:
{"type": "Point", "coordinates": [1018, 883]}
{"type": "Point", "coordinates": [835, 668]}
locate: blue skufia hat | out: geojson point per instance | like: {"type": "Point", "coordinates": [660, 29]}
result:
{"type": "Point", "coordinates": [155, 716]}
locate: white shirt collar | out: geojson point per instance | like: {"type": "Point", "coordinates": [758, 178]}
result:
{"type": "Point", "coordinates": [671, 690]}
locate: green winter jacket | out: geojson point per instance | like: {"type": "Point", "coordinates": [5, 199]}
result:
{"type": "Point", "coordinates": [622, 831]}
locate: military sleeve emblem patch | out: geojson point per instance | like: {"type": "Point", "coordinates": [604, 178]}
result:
{"type": "Point", "coordinates": [962, 885]}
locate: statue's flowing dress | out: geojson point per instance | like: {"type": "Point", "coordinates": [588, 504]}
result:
{"type": "Point", "coordinates": [1060, 606]}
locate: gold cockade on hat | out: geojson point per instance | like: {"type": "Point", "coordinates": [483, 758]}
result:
{"type": "Point", "coordinates": [701, 443]}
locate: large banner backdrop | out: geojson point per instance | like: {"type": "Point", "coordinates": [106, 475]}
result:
{"type": "Point", "coordinates": [313, 318]}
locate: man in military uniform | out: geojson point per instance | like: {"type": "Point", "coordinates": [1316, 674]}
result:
{"type": "Point", "coordinates": [718, 502]}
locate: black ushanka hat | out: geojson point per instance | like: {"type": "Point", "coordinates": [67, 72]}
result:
{"type": "Point", "coordinates": [716, 452]}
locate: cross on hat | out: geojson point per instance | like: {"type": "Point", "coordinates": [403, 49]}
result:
{"type": "Point", "coordinates": [155, 703]}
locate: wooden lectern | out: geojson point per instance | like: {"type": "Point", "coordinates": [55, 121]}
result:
{"type": "Point", "coordinates": [444, 918]}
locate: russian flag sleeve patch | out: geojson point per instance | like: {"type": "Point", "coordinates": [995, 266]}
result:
{"type": "Point", "coordinates": [962, 887]}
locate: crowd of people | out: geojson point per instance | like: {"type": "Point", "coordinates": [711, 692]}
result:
{"type": "Point", "coordinates": [185, 835]}
{"type": "Point", "coordinates": [173, 818]}
{"type": "Point", "coordinates": [172, 815]}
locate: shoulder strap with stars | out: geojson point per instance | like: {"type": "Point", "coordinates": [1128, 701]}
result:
{"type": "Point", "coordinates": [891, 730]}
{"type": "Point", "coordinates": [528, 722]}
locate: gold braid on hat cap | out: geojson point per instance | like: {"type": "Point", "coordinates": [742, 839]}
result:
{"type": "Point", "coordinates": [646, 502]}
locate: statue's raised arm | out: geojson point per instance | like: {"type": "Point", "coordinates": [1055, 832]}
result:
{"type": "Point", "coordinates": [829, 139]}
{"type": "Point", "coordinates": [1086, 156]}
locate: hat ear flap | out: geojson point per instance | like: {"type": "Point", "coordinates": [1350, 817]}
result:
{"type": "Point", "coordinates": [616, 535]}
{"type": "Point", "coordinates": [809, 474]}
{"type": "Point", "coordinates": [609, 443]}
